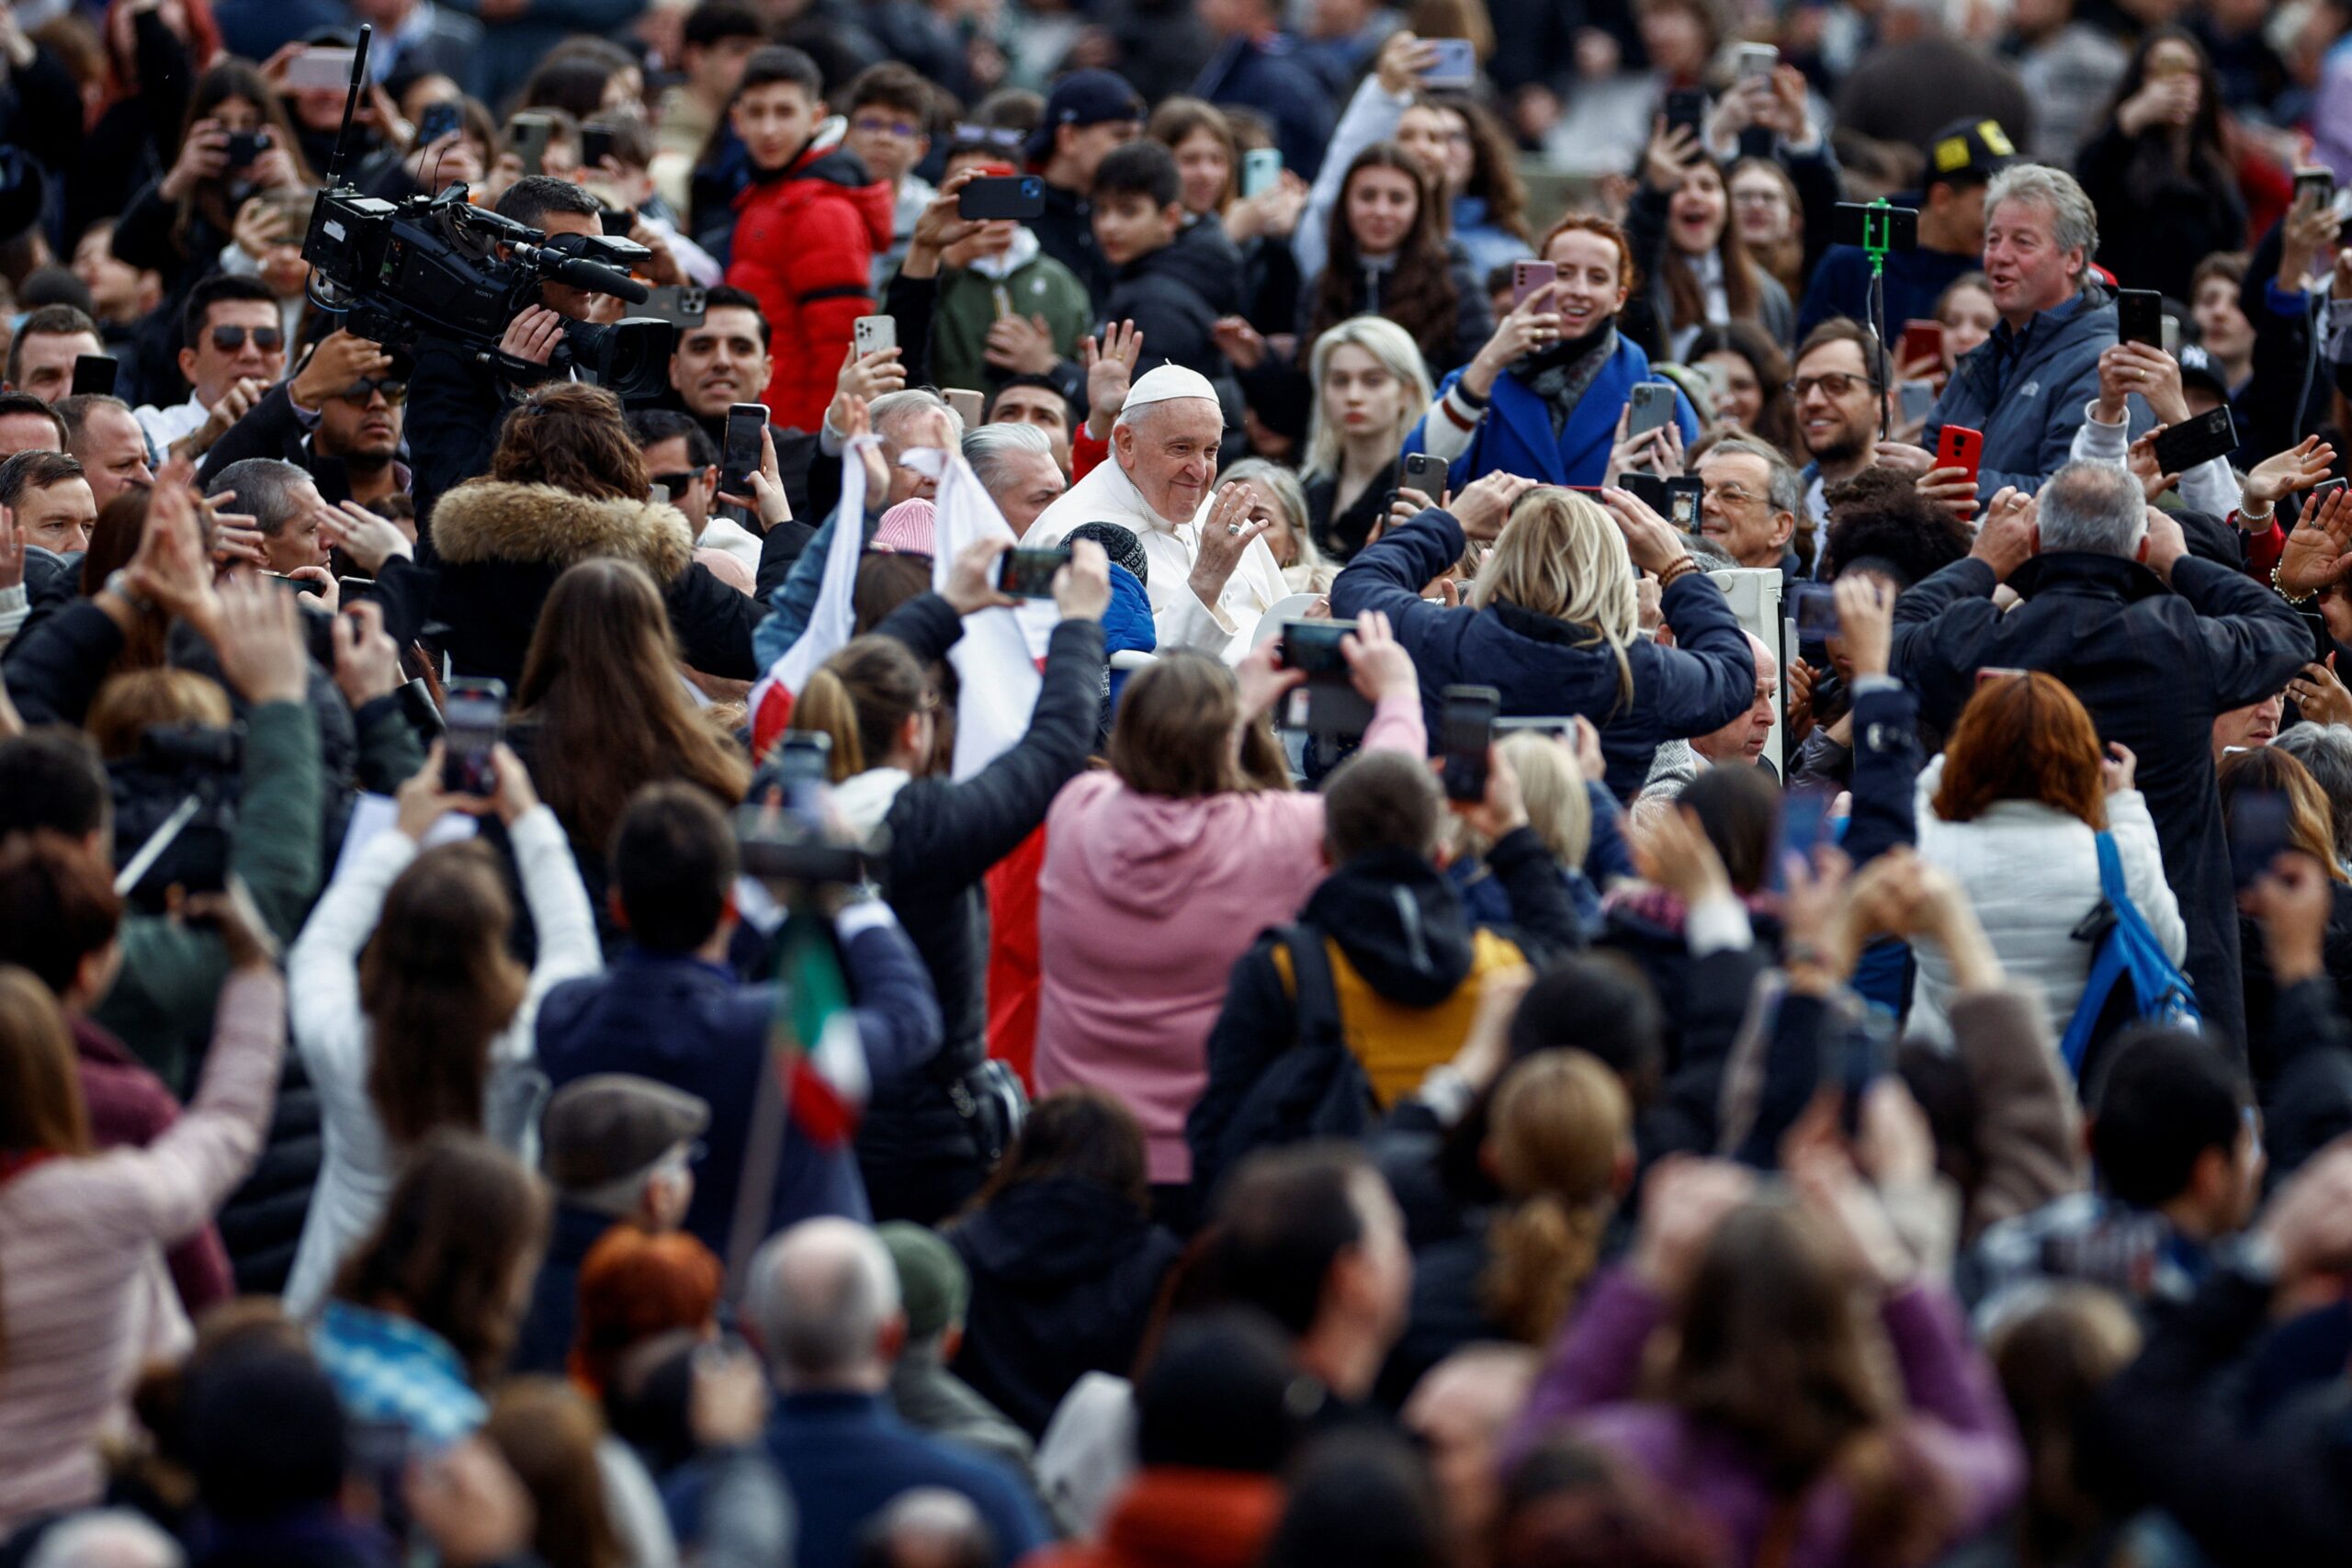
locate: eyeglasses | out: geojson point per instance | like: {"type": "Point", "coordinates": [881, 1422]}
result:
{"type": "Point", "coordinates": [871, 125]}
{"type": "Point", "coordinates": [1733, 495]}
{"type": "Point", "coordinates": [1837, 384]}
{"type": "Point", "coordinates": [994, 135]}
{"type": "Point", "coordinates": [228, 340]}
{"type": "Point", "coordinates": [359, 392]}
{"type": "Point", "coordinates": [1760, 198]}
{"type": "Point", "coordinates": [676, 483]}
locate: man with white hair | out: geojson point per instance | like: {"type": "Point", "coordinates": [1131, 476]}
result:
{"type": "Point", "coordinates": [2024, 388]}
{"type": "Point", "coordinates": [2154, 641]}
{"type": "Point", "coordinates": [1014, 463]}
{"type": "Point", "coordinates": [1211, 575]}
{"type": "Point", "coordinates": [106, 1538]}
{"type": "Point", "coordinates": [824, 1301]}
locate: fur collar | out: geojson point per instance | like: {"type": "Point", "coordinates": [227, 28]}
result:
{"type": "Point", "coordinates": [492, 520]}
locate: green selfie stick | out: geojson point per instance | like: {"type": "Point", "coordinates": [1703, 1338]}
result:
{"type": "Point", "coordinates": [1877, 238]}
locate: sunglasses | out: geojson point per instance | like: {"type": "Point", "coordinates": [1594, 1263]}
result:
{"type": "Point", "coordinates": [676, 483]}
{"type": "Point", "coordinates": [359, 392]}
{"type": "Point", "coordinates": [229, 339]}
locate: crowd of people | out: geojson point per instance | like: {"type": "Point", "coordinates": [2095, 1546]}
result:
{"type": "Point", "coordinates": [1472, 785]}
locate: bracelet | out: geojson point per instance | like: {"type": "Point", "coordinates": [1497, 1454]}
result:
{"type": "Point", "coordinates": [1676, 570]}
{"type": "Point", "coordinates": [1461, 390]}
{"type": "Point", "coordinates": [2279, 588]}
{"type": "Point", "coordinates": [2246, 515]}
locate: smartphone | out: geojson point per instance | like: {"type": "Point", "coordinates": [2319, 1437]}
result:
{"type": "Point", "coordinates": [1527, 276]}
{"type": "Point", "coordinates": [1313, 646]}
{"type": "Point", "coordinates": [320, 68]}
{"type": "Point", "coordinates": [473, 716]}
{"type": "Point", "coordinates": [1684, 495]}
{"type": "Point", "coordinates": [1862, 1060]}
{"type": "Point", "coordinates": [1805, 815]}
{"type": "Point", "coordinates": [1757, 59]}
{"type": "Point", "coordinates": [1465, 735]}
{"type": "Point", "coordinates": [1019, 197]}
{"type": "Point", "coordinates": [2138, 316]}
{"type": "Point", "coordinates": [1653, 406]}
{"type": "Point", "coordinates": [739, 457]}
{"type": "Point", "coordinates": [1875, 227]}
{"type": "Point", "coordinates": [1989, 672]}
{"type": "Point", "coordinates": [94, 372]}
{"type": "Point", "coordinates": [1029, 574]}
{"type": "Point", "coordinates": [2213, 434]}
{"type": "Point", "coordinates": [2258, 823]}
{"type": "Point", "coordinates": [2319, 185]}
{"type": "Point", "coordinates": [1456, 64]}
{"type": "Point", "coordinates": [1427, 474]}
{"type": "Point", "coordinates": [1649, 490]}
{"type": "Point", "coordinates": [1960, 448]}
{"type": "Point", "coordinates": [1923, 340]}
{"type": "Point", "coordinates": [966, 404]}
{"type": "Point", "coordinates": [1262, 171]}
{"type": "Point", "coordinates": [1686, 107]}
{"type": "Point", "coordinates": [680, 304]}
{"type": "Point", "coordinates": [444, 119]}
{"type": "Point", "coordinates": [1918, 399]}
{"type": "Point", "coordinates": [299, 584]}
{"type": "Point", "coordinates": [1815, 608]}
{"type": "Point", "coordinates": [528, 136]}
{"type": "Point", "coordinates": [353, 587]}
{"type": "Point", "coordinates": [596, 145]}
{"type": "Point", "coordinates": [617, 220]}
{"type": "Point", "coordinates": [245, 147]}
{"type": "Point", "coordinates": [871, 334]}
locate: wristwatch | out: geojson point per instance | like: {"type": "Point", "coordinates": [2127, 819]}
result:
{"type": "Point", "coordinates": [117, 583]}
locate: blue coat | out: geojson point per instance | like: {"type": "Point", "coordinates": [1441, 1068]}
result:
{"type": "Point", "coordinates": [2025, 392]}
{"type": "Point", "coordinates": [1694, 688]}
{"type": "Point", "coordinates": [1269, 76]}
{"type": "Point", "coordinates": [1516, 436]}
{"type": "Point", "coordinates": [845, 1456]}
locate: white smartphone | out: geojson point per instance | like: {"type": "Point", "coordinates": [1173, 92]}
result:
{"type": "Point", "coordinates": [1262, 171]}
{"type": "Point", "coordinates": [873, 333]}
{"type": "Point", "coordinates": [319, 68]}
{"type": "Point", "coordinates": [1456, 64]}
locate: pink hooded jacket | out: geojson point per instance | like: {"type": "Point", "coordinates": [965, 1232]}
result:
{"type": "Point", "coordinates": [1144, 906]}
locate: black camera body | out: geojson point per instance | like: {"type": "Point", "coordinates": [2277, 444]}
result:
{"type": "Point", "coordinates": [440, 269]}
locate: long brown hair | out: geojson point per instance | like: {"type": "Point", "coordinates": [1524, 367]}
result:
{"type": "Point", "coordinates": [1557, 1129]}
{"type": "Point", "coordinates": [548, 1432]}
{"type": "Point", "coordinates": [1494, 163]}
{"type": "Point", "coordinates": [601, 682]}
{"type": "Point", "coordinates": [1173, 733]}
{"type": "Point", "coordinates": [114, 539]}
{"type": "Point", "coordinates": [1075, 1135]}
{"type": "Point", "coordinates": [1419, 294]}
{"type": "Point", "coordinates": [2023, 738]}
{"type": "Point", "coordinates": [42, 1110]}
{"type": "Point", "coordinates": [860, 699]}
{"type": "Point", "coordinates": [437, 985]}
{"type": "Point", "coordinates": [462, 1220]}
{"type": "Point", "coordinates": [2310, 824]}
{"type": "Point", "coordinates": [227, 78]}
{"type": "Point", "coordinates": [1743, 279]}
{"type": "Point", "coordinates": [1770, 1352]}
{"type": "Point", "coordinates": [570, 437]}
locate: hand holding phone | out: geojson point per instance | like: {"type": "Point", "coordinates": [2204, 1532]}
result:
{"type": "Point", "coordinates": [741, 459]}
{"type": "Point", "coordinates": [473, 715]}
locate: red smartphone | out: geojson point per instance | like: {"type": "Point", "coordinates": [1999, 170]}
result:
{"type": "Point", "coordinates": [1960, 448]}
{"type": "Point", "coordinates": [1922, 340]}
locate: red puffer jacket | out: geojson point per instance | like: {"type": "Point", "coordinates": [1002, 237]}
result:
{"type": "Point", "coordinates": [805, 241]}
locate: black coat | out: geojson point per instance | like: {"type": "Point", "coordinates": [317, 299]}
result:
{"type": "Point", "coordinates": [2156, 221]}
{"type": "Point", "coordinates": [1064, 1274]}
{"type": "Point", "coordinates": [943, 838]}
{"type": "Point", "coordinates": [1175, 296]}
{"type": "Point", "coordinates": [2153, 666]}
{"type": "Point", "coordinates": [1065, 232]}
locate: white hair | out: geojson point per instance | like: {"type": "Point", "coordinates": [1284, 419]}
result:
{"type": "Point", "coordinates": [991, 449]}
{"type": "Point", "coordinates": [890, 407]}
{"type": "Point", "coordinates": [820, 1294]}
{"type": "Point", "coordinates": [106, 1537]}
{"type": "Point", "coordinates": [2094, 507]}
{"type": "Point", "coordinates": [2073, 221]}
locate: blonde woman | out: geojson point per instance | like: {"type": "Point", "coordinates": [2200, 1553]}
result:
{"type": "Point", "coordinates": [1549, 621]}
{"type": "Point", "coordinates": [1370, 386]}
{"type": "Point", "coordinates": [1276, 501]}
{"type": "Point", "coordinates": [1552, 788]}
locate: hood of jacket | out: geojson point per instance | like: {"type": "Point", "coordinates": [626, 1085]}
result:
{"type": "Point", "coordinates": [1202, 259]}
{"type": "Point", "coordinates": [1146, 852]}
{"type": "Point", "coordinates": [1399, 921]}
{"type": "Point", "coordinates": [495, 520]}
{"type": "Point", "coordinates": [2090, 572]}
{"type": "Point", "coordinates": [1044, 1232]}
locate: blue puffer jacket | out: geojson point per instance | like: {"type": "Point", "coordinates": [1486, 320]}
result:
{"type": "Point", "coordinates": [1546, 667]}
{"type": "Point", "coordinates": [1126, 624]}
{"type": "Point", "coordinates": [2025, 392]}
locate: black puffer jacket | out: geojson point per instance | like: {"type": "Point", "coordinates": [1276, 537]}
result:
{"type": "Point", "coordinates": [262, 1222]}
{"type": "Point", "coordinates": [1175, 294]}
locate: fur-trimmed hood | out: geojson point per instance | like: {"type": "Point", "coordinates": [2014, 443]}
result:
{"type": "Point", "coordinates": [493, 520]}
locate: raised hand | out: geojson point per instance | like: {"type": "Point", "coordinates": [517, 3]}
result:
{"type": "Point", "coordinates": [2318, 550]}
{"type": "Point", "coordinates": [1225, 537]}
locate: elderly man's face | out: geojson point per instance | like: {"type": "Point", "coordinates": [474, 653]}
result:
{"type": "Point", "coordinates": [903, 433]}
{"type": "Point", "coordinates": [113, 453]}
{"type": "Point", "coordinates": [1743, 740]}
{"type": "Point", "coordinates": [1737, 513]}
{"type": "Point", "coordinates": [1029, 483]}
{"type": "Point", "coordinates": [298, 542]}
{"type": "Point", "coordinates": [1169, 451]}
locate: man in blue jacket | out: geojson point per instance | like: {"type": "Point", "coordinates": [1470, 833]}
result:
{"type": "Point", "coordinates": [671, 1009]}
{"type": "Point", "coordinates": [2024, 388]}
{"type": "Point", "coordinates": [1962, 160]}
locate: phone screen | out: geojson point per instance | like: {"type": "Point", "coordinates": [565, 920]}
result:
{"type": "Point", "coordinates": [1649, 490]}
{"type": "Point", "coordinates": [473, 715]}
{"type": "Point", "coordinates": [94, 372]}
{"type": "Point", "coordinates": [1313, 646]}
{"type": "Point", "coordinates": [2258, 825]}
{"type": "Point", "coordinates": [740, 459]}
{"type": "Point", "coordinates": [2139, 317]}
{"type": "Point", "coordinates": [444, 119]}
{"type": "Point", "coordinates": [1466, 732]}
{"type": "Point", "coordinates": [1816, 612]}
{"type": "Point", "coordinates": [1029, 574]}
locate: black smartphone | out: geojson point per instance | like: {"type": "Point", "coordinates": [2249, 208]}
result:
{"type": "Point", "coordinates": [299, 584]}
{"type": "Point", "coordinates": [473, 716]}
{"type": "Point", "coordinates": [1466, 734]}
{"type": "Point", "coordinates": [1876, 228]}
{"type": "Point", "coordinates": [1426, 474]}
{"type": "Point", "coordinates": [804, 765]}
{"type": "Point", "coordinates": [1684, 494]}
{"type": "Point", "coordinates": [595, 146]}
{"type": "Point", "coordinates": [2323, 640]}
{"type": "Point", "coordinates": [444, 119]}
{"type": "Point", "coordinates": [1020, 197]}
{"type": "Point", "coordinates": [1653, 406]}
{"type": "Point", "coordinates": [2258, 824]}
{"type": "Point", "coordinates": [528, 136]}
{"type": "Point", "coordinates": [1649, 490]}
{"type": "Point", "coordinates": [2317, 184]}
{"type": "Point", "coordinates": [2140, 316]}
{"type": "Point", "coordinates": [617, 220]}
{"type": "Point", "coordinates": [355, 587]}
{"type": "Point", "coordinates": [1029, 574]}
{"type": "Point", "coordinates": [1687, 106]}
{"type": "Point", "coordinates": [739, 457]}
{"type": "Point", "coordinates": [1815, 607]}
{"type": "Point", "coordinates": [1314, 646]}
{"type": "Point", "coordinates": [2213, 434]}
{"type": "Point", "coordinates": [245, 146]}
{"type": "Point", "coordinates": [94, 374]}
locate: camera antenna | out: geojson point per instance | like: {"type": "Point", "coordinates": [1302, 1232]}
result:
{"type": "Point", "coordinates": [350, 104]}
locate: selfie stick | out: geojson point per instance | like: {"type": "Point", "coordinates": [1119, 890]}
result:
{"type": "Point", "coordinates": [350, 103]}
{"type": "Point", "coordinates": [1877, 238]}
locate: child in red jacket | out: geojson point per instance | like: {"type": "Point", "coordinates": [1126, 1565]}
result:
{"type": "Point", "coordinates": [807, 229]}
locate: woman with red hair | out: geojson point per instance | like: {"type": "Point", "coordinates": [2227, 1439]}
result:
{"type": "Point", "coordinates": [635, 1284]}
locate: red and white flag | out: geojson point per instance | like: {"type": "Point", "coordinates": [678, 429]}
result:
{"type": "Point", "coordinates": [996, 659]}
{"type": "Point", "coordinates": [830, 623]}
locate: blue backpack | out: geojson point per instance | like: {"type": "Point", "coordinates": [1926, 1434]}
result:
{"type": "Point", "coordinates": [2130, 979]}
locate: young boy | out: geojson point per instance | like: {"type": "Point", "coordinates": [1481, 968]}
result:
{"type": "Point", "coordinates": [805, 232]}
{"type": "Point", "coordinates": [890, 129]}
{"type": "Point", "coordinates": [1173, 277]}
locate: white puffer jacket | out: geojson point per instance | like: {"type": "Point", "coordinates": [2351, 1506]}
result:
{"type": "Point", "coordinates": [2032, 873]}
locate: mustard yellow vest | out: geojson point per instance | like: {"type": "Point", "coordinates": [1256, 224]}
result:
{"type": "Point", "coordinates": [1396, 1043]}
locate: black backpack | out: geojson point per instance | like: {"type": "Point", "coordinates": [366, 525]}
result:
{"type": "Point", "coordinates": [1315, 1089]}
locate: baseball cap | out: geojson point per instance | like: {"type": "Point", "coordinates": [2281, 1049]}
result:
{"type": "Point", "coordinates": [2196, 365]}
{"type": "Point", "coordinates": [1083, 99]}
{"type": "Point", "coordinates": [607, 1126]}
{"type": "Point", "coordinates": [1967, 149]}
{"type": "Point", "coordinates": [932, 1285]}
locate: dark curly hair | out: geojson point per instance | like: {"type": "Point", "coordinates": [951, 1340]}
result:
{"type": "Point", "coordinates": [1419, 294]}
{"type": "Point", "coordinates": [1878, 519]}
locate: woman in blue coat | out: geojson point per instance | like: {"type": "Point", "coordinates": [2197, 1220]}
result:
{"type": "Point", "coordinates": [1549, 620]}
{"type": "Point", "coordinates": [1544, 398]}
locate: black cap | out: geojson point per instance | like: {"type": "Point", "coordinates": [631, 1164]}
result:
{"type": "Point", "coordinates": [2196, 365]}
{"type": "Point", "coordinates": [1083, 99]}
{"type": "Point", "coordinates": [1967, 149]}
